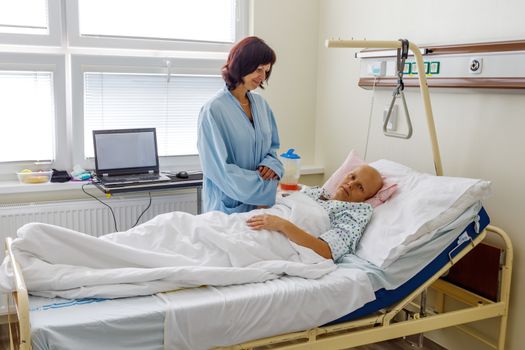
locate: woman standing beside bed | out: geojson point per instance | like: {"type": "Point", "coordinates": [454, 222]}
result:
{"type": "Point", "coordinates": [237, 135]}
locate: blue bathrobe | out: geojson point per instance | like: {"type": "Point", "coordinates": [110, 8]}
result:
{"type": "Point", "coordinates": [231, 149]}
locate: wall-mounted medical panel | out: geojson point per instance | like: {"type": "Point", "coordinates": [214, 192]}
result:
{"type": "Point", "coordinates": [499, 65]}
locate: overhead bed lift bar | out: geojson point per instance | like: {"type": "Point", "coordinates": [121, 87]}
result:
{"type": "Point", "coordinates": [378, 44]}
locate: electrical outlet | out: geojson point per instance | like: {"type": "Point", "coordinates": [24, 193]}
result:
{"type": "Point", "coordinates": [377, 69]}
{"type": "Point", "coordinates": [475, 65]}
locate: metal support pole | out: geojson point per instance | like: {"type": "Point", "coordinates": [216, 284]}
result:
{"type": "Point", "coordinates": [422, 84]}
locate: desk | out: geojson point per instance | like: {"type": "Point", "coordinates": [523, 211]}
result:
{"type": "Point", "coordinates": [193, 181]}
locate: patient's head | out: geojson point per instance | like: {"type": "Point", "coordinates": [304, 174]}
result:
{"type": "Point", "coordinates": [358, 185]}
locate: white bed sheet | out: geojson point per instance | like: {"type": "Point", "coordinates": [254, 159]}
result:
{"type": "Point", "coordinates": [200, 318]}
{"type": "Point", "coordinates": [417, 255]}
{"type": "Point", "coordinates": [171, 251]}
{"type": "Point", "coordinates": [127, 323]}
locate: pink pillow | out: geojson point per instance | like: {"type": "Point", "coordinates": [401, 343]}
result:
{"type": "Point", "coordinates": [351, 162]}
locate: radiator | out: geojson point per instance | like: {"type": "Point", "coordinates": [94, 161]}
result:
{"type": "Point", "coordinates": [90, 216]}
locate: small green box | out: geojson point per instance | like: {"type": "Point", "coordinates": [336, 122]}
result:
{"type": "Point", "coordinates": [407, 69]}
{"type": "Point", "coordinates": [427, 67]}
{"type": "Point", "coordinates": [434, 67]}
{"type": "Point", "coordinates": [413, 68]}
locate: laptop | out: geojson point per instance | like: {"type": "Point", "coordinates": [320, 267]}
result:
{"type": "Point", "coordinates": [126, 157]}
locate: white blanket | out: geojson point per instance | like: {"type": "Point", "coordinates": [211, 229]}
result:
{"type": "Point", "coordinates": [258, 310]}
{"type": "Point", "coordinates": [171, 251]}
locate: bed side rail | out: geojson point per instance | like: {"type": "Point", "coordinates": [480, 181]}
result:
{"type": "Point", "coordinates": [21, 302]}
{"type": "Point", "coordinates": [388, 317]}
{"type": "Point", "coordinates": [355, 333]}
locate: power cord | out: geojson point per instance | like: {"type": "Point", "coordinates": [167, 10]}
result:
{"type": "Point", "coordinates": [107, 205]}
{"type": "Point", "coordinates": [111, 209]}
{"type": "Point", "coordinates": [370, 115]}
{"type": "Point", "coordinates": [145, 210]}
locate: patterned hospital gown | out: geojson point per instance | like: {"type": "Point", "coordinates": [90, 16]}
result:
{"type": "Point", "coordinates": [347, 222]}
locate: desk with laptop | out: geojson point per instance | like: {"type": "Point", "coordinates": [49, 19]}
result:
{"type": "Point", "coordinates": [126, 160]}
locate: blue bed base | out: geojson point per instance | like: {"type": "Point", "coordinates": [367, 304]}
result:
{"type": "Point", "coordinates": [385, 298]}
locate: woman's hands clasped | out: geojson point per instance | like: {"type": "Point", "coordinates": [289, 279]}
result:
{"type": "Point", "coordinates": [267, 173]}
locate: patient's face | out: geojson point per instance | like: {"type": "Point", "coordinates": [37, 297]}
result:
{"type": "Point", "coordinates": [358, 185]}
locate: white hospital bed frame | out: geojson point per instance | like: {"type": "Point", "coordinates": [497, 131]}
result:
{"type": "Point", "coordinates": [382, 326]}
{"type": "Point", "coordinates": [371, 329]}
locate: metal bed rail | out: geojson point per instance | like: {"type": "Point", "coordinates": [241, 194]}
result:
{"type": "Point", "coordinates": [19, 330]}
{"type": "Point", "coordinates": [371, 329]}
{"type": "Point", "coordinates": [377, 328]}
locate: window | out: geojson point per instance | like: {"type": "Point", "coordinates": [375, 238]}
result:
{"type": "Point", "coordinates": [200, 20]}
{"type": "Point", "coordinates": [111, 92]}
{"type": "Point", "coordinates": [29, 126]}
{"type": "Point", "coordinates": [130, 63]}
{"type": "Point", "coordinates": [171, 105]}
{"type": "Point", "coordinates": [34, 22]}
{"type": "Point", "coordinates": [24, 17]}
{"type": "Point", "coordinates": [196, 25]}
{"type": "Point", "coordinates": [32, 118]}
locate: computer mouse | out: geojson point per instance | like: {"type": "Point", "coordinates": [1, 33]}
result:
{"type": "Point", "coordinates": [182, 174]}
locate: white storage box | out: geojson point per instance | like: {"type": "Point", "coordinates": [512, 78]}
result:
{"type": "Point", "coordinates": [34, 177]}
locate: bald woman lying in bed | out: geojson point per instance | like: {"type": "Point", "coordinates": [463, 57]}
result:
{"type": "Point", "coordinates": [346, 228]}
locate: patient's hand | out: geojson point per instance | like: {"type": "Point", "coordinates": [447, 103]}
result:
{"type": "Point", "coordinates": [267, 222]}
{"type": "Point", "coordinates": [292, 232]}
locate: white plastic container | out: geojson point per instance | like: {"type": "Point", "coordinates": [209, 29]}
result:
{"type": "Point", "coordinates": [34, 177]}
{"type": "Point", "coordinates": [292, 170]}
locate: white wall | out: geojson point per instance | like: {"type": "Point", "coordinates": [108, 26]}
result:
{"type": "Point", "coordinates": [480, 133]}
{"type": "Point", "coordinates": [323, 113]}
{"type": "Point", "coordinates": [291, 28]}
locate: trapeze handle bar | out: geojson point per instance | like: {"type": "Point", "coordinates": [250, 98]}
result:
{"type": "Point", "coordinates": [395, 44]}
{"type": "Point", "coordinates": [389, 115]}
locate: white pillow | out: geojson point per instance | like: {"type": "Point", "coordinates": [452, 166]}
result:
{"type": "Point", "coordinates": [422, 204]}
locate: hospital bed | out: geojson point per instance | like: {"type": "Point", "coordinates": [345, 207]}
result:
{"type": "Point", "coordinates": [286, 313]}
{"type": "Point", "coordinates": [271, 312]}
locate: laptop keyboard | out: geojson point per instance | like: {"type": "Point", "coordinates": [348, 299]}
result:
{"type": "Point", "coordinates": [131, 178]}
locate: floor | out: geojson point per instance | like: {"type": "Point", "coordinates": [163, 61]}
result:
{"type": "Point", "coordinates": [402, 344]}
{"type": "Point", "coordinates": [4, 337]}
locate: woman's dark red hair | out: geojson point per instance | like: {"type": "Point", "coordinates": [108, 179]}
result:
{"type": "Point", "coordinates": [244, 58]}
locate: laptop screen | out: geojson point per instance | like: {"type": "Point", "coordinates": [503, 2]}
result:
{"type": "Point", "coordinates": [125, 151]}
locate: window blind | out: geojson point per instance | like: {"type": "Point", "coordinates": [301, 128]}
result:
{"type": "Point", "coordinates": [27, 116]}
{"type": "Point", "coordinates": [123, 100]}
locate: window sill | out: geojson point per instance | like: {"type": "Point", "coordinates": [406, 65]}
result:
{"type": "Point", "coordinates": [15, 187]}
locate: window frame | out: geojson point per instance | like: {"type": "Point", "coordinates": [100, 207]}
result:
{"type": "Point", "coordinates": [54, 38]}
{"type": "Point", "coordinates": [76, 40]}
{"type": "Point", "coordinates": [51, 63]}
{"type": "Point", "coordinates": [132, 64]}
{"type": "Point", "coordinates": [64, 55]}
